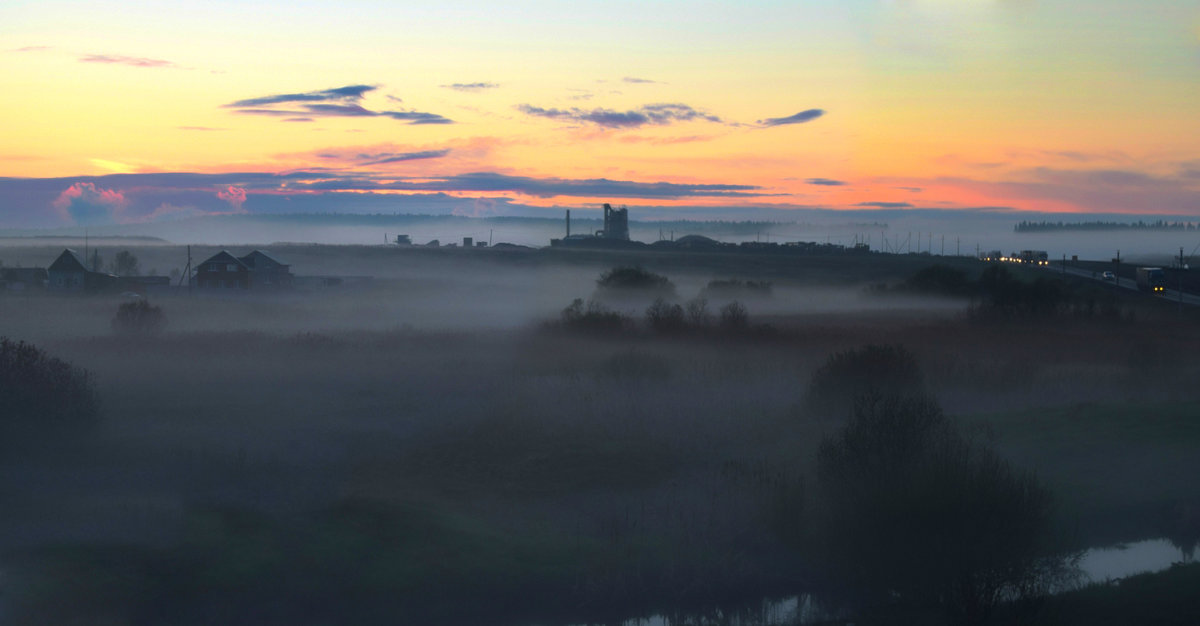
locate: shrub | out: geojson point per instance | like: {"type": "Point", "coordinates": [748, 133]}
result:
{"type": "Point", "coordinates": [941, 279]}
{"type": "Point", "coordinates": [1003, 296]}
{"type": "Point", "coordinates": [594, 317]}
{"type": "Point", "coordinates": [737, 288]}
{"type": "Point", "coordinates": [665, 317]}
{"type": "Point", "coordinates": [139, 317]}
{"type": "Point", "coordinates": [39, 391]}
{"type": "Point", "coordinates": [697, 312]}
{"type": "Point", "coordinates": [870, 371]}
{"type": "Point", "coordinates": [915, 515]}
{"type": "Point", "coordinates": [734, 317]}
{"type": "Point", "coordinates": [634, 279]}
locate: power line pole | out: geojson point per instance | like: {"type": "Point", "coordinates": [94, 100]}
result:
{"type": "Point", "coordinates": [1117, 271]}
{"type": "Point", "coordinates": [1180, 272]}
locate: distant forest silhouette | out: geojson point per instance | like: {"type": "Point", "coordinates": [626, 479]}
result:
{"type": "Point", "coordinates": [1041, 227]}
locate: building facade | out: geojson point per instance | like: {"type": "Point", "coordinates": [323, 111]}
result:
{"type": "Point", "coordinates": [257, 270]}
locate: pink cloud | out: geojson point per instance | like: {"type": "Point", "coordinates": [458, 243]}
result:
{"type": "Point", "coordinates": [116, 59]}
{"type": "Point", "coordinates": [85, 203]}
{"type": "Point", "coordinates": [235, 196]}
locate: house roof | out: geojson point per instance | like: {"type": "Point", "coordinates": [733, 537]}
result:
{"type": "Point", "coordinates": [223, 257]}
{"type": "Point", "coordinates": [255, 260]}
{"type": "Point", "coordinates": [68, 261]}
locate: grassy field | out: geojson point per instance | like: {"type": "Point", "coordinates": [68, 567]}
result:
{"type": "Point", "coordinates": [431, 448]}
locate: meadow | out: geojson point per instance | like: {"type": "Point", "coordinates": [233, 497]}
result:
{"type": "Point", "coordinates": [435, 446]}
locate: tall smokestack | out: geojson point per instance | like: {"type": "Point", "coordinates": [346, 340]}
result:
{"type": "Point", "coordinates": [568, 222]}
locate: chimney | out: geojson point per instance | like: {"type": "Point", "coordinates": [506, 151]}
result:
{"type": "Point", "coordinates": [568, 222]}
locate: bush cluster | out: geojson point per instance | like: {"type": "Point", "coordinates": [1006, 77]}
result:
{"type": "Point", "coordinates": [634, 279]}
{"type": "Point", "coordinates": [1000, 295]}
{"type": "Point", "coordinates": [666, 317]}
{"type": "Point", "coordinates": [593, 317]}
{"type": "Point", "coordinates": [38, 390]}
{"type": "Point", "coordinates": [912, 518]}
{"type": "Point", "coordinates": [870, 371]}
{"type": "Point", "coordinates": [139, 317]}
{"type": "Point", "coordinates": [737, 288]}
{"type": "Point", "coordinates": [917, 518]}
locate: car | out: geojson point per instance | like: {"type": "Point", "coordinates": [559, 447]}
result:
{"type": "Point", "coordinates": [1109, 276]}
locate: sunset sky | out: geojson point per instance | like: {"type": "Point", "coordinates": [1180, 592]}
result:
{"type": "Point", "coordinates": [134, 111]}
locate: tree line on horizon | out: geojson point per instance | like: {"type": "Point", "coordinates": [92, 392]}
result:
{"type": "Point", "coordinates": [1026, 226]}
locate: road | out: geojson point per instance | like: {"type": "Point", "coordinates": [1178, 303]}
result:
{"type": "Point", "coordinates": [1171, 295]}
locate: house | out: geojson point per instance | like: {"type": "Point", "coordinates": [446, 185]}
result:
{"type": "Point", "coordinates": [267, 271]}
{"type": "Point", "coordinates": [69, 273]}
{"type": "Point", "coordinates": [222, 271]}
{"type": "Point", "coordinates": [253, 271]}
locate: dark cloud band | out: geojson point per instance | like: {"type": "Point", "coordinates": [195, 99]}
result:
{"type": "Point", "coordinates": [337, 102]}
{"type": "Point", "coordinates": [650, 114]}
{"type": "Point", "coordinates": [471, 86]}
{"type": "Point", "coordinates": [799, 118]}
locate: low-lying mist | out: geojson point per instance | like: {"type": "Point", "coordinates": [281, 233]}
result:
{"type": "Point", "coordinates": [436, 445]}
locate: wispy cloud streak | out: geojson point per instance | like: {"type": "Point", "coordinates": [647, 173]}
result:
{"type": "Point", "coordinates": [471, 86]}
{"type": "Point", "coordinates": [650, 114]}
{"type": "Point", "coordinates": [337, 102]}
{"type": "Point", "coordinates": [799, 118]}
{"type": "Point", "coordinates": [115, 59]}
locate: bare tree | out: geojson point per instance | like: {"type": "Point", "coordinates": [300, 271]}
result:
{"type": "Point", "coordinates": [125, 264]}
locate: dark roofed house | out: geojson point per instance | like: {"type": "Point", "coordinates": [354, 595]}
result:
{"type": "Point", "coordinates": [222, 271]}
{"type": "Point", "coordinates": [266, 270]}
{"type": "Point", "coordinates": [69, 273]}
{"type": "Point", "coordinates": [253, 271]}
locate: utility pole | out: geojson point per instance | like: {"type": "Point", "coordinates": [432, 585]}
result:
{"type": "Point", "coordinates": [1180, 271]}
{"type": "Point", "coordinates": [1117, 271]}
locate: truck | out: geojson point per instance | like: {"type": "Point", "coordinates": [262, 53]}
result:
{"type": "Point", "coordinates": [1151, 279]}
{"type": "Point", "coordinates": [1033, 257]}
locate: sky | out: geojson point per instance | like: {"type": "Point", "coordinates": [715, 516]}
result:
{"type": "Point", "coordinates": [129, 112]}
